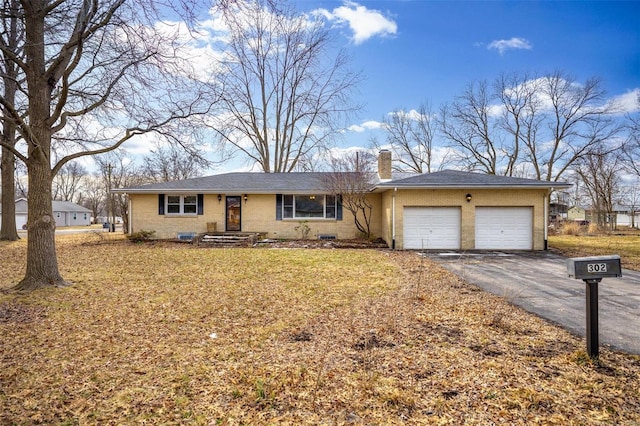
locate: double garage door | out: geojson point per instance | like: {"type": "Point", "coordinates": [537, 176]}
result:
{"type": "Point", "coordinates": [496, 228]}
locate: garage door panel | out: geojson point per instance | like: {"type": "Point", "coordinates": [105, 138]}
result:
{"type": "Point", "coordinates": [504, 228]}
{"type": "Point", "coordinates": [431, 228]}
{"type": "Point", "coordinates": [21, 220]}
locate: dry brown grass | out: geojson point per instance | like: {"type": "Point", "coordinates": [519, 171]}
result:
{"type": "Point", "coordinates": [627, 245]}
{"type": "Point", "coordinates": [302, 336]}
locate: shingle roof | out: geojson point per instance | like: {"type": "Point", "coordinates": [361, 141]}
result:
{"type": "Point", "coordinates": [68, 206]}
{"type": "Point", "coordinates": [254, 183]}
{"type": "Point", "coordinates": [58, 206]}
{"type": "Point", "coordinates": [306, 182]}
{"type": "Point", "coordinates": [458, 179]}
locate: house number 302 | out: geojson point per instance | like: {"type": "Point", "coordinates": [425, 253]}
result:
{"type": "Point", "coordinates": [594, 268]}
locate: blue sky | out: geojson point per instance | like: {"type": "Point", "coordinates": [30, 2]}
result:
{"type": "Point", "coordinates": [416, 51]}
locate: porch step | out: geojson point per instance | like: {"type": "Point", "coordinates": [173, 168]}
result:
{"type": "Point", "coordinates": [227, 239]}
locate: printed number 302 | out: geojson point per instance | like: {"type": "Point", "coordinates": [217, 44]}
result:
{"type": "Point", "coordinates": [594, 268]}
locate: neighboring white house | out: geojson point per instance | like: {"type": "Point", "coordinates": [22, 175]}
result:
{"type": "Point", "coordinates": [624, 215]}
{"type": "Point", "coordinates": [65, 213]}
{"type": "Point", "coordinates": [21, 213]}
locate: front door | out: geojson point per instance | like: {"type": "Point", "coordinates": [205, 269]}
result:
{"type": "Point", "coordinates": [233, 214]}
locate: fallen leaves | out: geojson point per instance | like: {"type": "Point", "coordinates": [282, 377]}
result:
{"type": "Point", "coordinates": [170, 334]}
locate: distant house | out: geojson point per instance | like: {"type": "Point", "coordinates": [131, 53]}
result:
{"type": "Point", "coordinates": [626, 215]}
{"type": "Point", "coordinates": [576, 213]}
{"type": "Point", "coordinates": [443, 210]}
{"type": "Point", "coordinates": [21, 213]}
{"type": "Point", "coordinates": [65, 213]}
{"type": "Point", "coordinates": [557, 211]}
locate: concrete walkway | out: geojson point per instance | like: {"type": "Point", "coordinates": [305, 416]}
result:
{"type": "Point", "coordinates": [539, 283]}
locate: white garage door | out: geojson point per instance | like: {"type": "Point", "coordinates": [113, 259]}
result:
{"type": "Point", "coordinates": [431, 228]}
{"type": "Point", "coordinates": [21, 219]}
{"type": "Point", "coordinates": [504, 228]}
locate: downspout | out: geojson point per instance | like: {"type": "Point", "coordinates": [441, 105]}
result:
{"type": "Point", "coordinates": [130, 224]}
{"type": "Point", "coordinates": [546, 222]}
{"type": "Point", "coordinates": [393, 220]}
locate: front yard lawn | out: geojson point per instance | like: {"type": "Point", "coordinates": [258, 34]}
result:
{"type": "Point", "coordinates": [165, 333]}
{"type": "Point", "coordinates": [626, 245]}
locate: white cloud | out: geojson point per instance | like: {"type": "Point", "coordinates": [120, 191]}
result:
{"type": "Point", "coordinates": [367, 125]}
{"type": "Point", "coordinates": [511, 44]}
{"type": "Point", "coordinates": [365, 23]}
{"type": "Point", "coordinates": [628, 102]}
{"type": "Point", "coordinates": [411, 115]}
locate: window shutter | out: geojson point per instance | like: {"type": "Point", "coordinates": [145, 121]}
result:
{"type": "Point", "coordinates": [278, 206]}
{"type": "Point", "coordinates": [161, 204]}
{"type": "Point", "coordinates": [200, 204]}
{"type": "Point", "coordinates": [338, 207]}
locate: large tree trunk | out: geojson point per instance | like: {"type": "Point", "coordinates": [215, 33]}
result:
{"type": "Point", "coordinates": [42, 262]}
{"type": "Point", "coordinates": [8, 229]}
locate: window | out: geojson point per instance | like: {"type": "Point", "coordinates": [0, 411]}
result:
{"type": "Point", "coordinates": [308, 206]}
{"type": "Point", "coordinates": [182, 204]}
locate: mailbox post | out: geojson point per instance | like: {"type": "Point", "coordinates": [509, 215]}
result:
{"type": "Point", "coordinates": [592, 270]}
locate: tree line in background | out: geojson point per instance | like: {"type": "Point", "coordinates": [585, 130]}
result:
{"type": "Point", "coordinates": [114, 170]}
{"type": "Point", "coordinates": [81, 77]}
{"type": "Point", "coordinates": [548, 127]}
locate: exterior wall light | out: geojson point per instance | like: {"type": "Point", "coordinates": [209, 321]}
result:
{"type": "Point", "coordinates": [219, 197]}
{"type": "Point", "coordinates": [468, 196]}
{"type": "Point", "coordinates": [245, 198]}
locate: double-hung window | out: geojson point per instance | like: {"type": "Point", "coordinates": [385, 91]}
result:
{"type": "Point", "coordinates": [182, 204]}
{"type": "Point", "coordinates": [308, 206]}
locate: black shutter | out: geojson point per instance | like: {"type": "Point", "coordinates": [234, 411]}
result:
{"type": "Point", "coordinates": [200, 204]}
{"type": "Point", "coordinates": [338, 207]}
{"type": "Point", "coordinates": [161, 204]}
{"type": "Point", "coordinates": [278, 206]}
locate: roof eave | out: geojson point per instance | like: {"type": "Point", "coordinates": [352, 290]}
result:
{"type": "Point", "coordinates": [476, 186]}
{"type": "Point", "coordinates": [217, 191]}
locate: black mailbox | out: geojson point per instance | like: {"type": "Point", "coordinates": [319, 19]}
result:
{"type": "Point", "coordinates": [594, 267]}
{"type": "Point", "coordinates": [592, 270]}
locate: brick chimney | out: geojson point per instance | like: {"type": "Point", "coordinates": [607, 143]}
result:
{"type": "Point", "coordinates": [384, 164]}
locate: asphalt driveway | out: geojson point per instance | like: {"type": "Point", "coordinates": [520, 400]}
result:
{"type": "Point", "coordinates": [539, 283]}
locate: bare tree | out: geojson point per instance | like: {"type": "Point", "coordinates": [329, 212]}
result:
{"type": "Point", "coordinates": [470, 124]}
{"type": "Point", "coordinates": [577, 121]}
{"type": "Point", "coordinates": [284, 94]}
{"type": "Point", "coordinates": [631, 200]}
{"type": "Point", "coordinates": [632, 140]}
{"type": "Point", "coordinates": [96, 75]}
{"type": "Point", "coordinates": [600, 176]}
{"type": "Point", "coordinates": [544, 124]}
{"type": "Point", "coordinates": [68, 182]}
{"type": "Point", "coordinates": [117, 172]}
{"type": "Point", "coordinates": [94, 195]}
{"type": "Point", "coordinates": [22, 188]}
{"type": "Point", "coordinates": [11, 44]}
{"type": "Point", "coordinates": [167, 163]}
{"type": "Point", "coordinates": [411, 136]}
{"type": "Point", "coordinates": [352, 178]}
{"type": "Point", "coordinates": [519, 118]}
